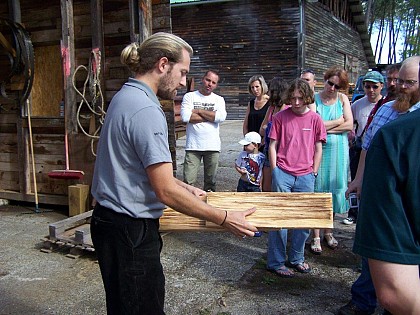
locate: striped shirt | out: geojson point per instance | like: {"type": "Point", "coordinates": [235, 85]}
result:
{"type": "Point", "coordinates": [384, 115]}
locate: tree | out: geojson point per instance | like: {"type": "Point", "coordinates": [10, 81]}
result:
{"type": "Point", "coordinates": [394, 20]}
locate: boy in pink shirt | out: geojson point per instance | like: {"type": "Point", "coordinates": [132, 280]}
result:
{"type": "Point", "coordinates": [295, 153]}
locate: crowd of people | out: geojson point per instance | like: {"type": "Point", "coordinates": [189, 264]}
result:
{"type": "Point", "coordinates": [315, 142]}
{"type": "Point", "coordinates": [294, 140]}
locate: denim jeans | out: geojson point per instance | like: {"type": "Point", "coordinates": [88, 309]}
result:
{"type": "Point", "coordinates": [363, 293]}
{"type": "Point", "coordinates": [277, 240]}
{"type": "Point", "coordinates": [192, 164]}
{"type": "Point", "coordinates": [244, 186]}
{"type": "Point", "coordinates": [128, 252]}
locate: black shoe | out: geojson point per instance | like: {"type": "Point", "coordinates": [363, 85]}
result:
{"type": "Point", "coordinates": [351, 309]}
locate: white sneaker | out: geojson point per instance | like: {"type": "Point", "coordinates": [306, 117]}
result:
{"type": "Point", "coordinates": [349, 221]}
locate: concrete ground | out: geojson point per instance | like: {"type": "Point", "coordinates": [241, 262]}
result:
{"type": "Point", "coordinates": [207, 273]}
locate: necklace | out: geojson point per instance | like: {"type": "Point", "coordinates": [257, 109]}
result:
{"type": "Point", "coordinates": [328, 101]}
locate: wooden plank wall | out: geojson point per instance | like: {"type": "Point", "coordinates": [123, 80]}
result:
{"type": "Point", "coordinates": [43, 21]}
{"type": "Point", "coordinates": [9, 167]}
{"type": "Point", "coordinates": [260, 37]}
{"type": "Point", "coordinates": [247, 38]}
{"type": "Point", "coordinates": [330, 42]}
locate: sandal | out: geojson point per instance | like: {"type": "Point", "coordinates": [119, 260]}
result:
{"type": "Point", "coordinates": [316, 246]}
{"type": "Point", "coordinates": [331, 241]}
{"type": "Point", "coordinates": [284, 272]}
{"type": "Point", "coordinates": [302, 267]}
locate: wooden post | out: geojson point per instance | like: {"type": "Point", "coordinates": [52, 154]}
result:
{"type": "Point", "coordinates": [68, 55]}
{"type": "Point", "coordinates": [78, 199]}
{"type": "Point", "coordinates": [140, 20]}
{"type": "Point", "coordinates": [98, 48]}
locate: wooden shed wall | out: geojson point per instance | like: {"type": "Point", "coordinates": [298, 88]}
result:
{"type": "Point", "coordinates": [43, 21]}
{"type": "Point", "coordinates": [240, 39]}
{"type": "Point", "coordinates": [243, 38]}
{"type": "Point", "coordinates": [329, 42]}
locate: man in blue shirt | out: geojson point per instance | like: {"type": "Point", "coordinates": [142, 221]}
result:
{"type": "Point", "coordinates": [363, 300]}
{"type": "Point", "coordinates": [133, 179]}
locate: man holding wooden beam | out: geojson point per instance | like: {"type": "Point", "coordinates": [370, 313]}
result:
{"type": "Point", "coordinates": [133, 180]}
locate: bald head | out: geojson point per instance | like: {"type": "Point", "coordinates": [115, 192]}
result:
{"type": "Point", "coordinates": [411, 64]}
{"type": "Point", "coordinates": [408, 92]}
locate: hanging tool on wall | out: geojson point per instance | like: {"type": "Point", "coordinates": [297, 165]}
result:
{"type": "Point", "coordinates": [18, 49]}
{"type": "Point", "coordinates": [16, 85]}
{"type": "Point", "coordinates": [66, 173]}
{"type": "Point", "coordinates": [31, 145]}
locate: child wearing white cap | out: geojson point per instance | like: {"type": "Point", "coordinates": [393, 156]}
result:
{"type": "Point", "coordinates": [250, 163]}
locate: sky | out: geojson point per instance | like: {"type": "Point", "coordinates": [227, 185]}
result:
{"type": "Point", "coordinates": [384, 56]}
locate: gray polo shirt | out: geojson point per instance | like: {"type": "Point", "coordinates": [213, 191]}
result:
{"type": "Point", "coordinates": [133, 137]}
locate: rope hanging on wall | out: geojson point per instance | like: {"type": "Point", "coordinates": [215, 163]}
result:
{"type": "Point", "coordinates": [16, 46]}
{"type": "Point", "coordinates": [96, 106]}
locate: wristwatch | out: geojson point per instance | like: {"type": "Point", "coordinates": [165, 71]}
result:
{"type": "Point", "coordinates": [315, 174]}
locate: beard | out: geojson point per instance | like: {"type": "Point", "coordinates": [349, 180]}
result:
{"type": "Point", "coordinates": [404, 101]}
{"type": "Point", "coordinates": [165, 90]}
{"type": "Point", "coordinates": [391, 93]}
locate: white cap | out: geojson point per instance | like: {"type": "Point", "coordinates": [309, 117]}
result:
{"type": "Point", "coordinates": [251, 137]}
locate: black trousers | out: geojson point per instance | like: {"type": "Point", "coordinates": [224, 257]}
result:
{"type": "Point", "coordinates": [354, 162]}
{"type": "Point", "coordinates": [128, 252]}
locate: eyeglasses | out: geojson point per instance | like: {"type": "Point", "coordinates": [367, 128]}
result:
{"type": "Point", "coordinates": [368, 87]}
{"type": "Point", "coordinates": [391, 80]}
{"type": "Point", "coordinates": [337, 87]}
{"type": "Point", "coordinates": [407, 83]}
{"type": "Point", "coordinates": [307, 71]}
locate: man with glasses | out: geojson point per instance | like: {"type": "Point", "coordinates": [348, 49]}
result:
{"type": "Point", "coordinates": [364, 300]}
{"type": "Point", "coordinates": [391, 84]}
{"type": "Point", "coordinates": [373, 82]}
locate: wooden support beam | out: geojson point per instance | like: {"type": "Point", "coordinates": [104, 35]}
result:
{"type": "Point", "coordinates": [68, 59]}
{"type": "Point", "coordinates": [140, 20]}
{"type": "Point", "coordinates": [98, 50]}
{"type": "Point", "coordinates": [57, 229]}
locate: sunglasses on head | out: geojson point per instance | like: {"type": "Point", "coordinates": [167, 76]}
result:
{"type": "Point", "coordinates": [368, 87]}
{"type": "Point", "coordinates": [337, 87]}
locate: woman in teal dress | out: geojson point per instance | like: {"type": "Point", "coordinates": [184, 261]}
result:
{"type": "Point", "coordinates": [334, 108]}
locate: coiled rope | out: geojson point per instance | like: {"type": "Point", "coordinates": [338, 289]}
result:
{"type": "Point", "coordinates": [91, 83]}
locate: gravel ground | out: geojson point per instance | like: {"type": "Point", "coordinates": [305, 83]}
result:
{"type": "Point", "coordinates": [207, 273]}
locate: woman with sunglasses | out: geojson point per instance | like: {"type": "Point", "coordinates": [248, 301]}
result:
{"type": "Point", "coordinates": [334, 108]}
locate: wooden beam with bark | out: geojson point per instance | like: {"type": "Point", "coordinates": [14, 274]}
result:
{"type": "Point", "coordinates": [274, 211]}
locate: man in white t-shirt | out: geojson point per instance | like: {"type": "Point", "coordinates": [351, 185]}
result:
{"type": "Point", "coordinates": [373, 83]}
{"type": "Point", "coordinates": [203, 111]}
